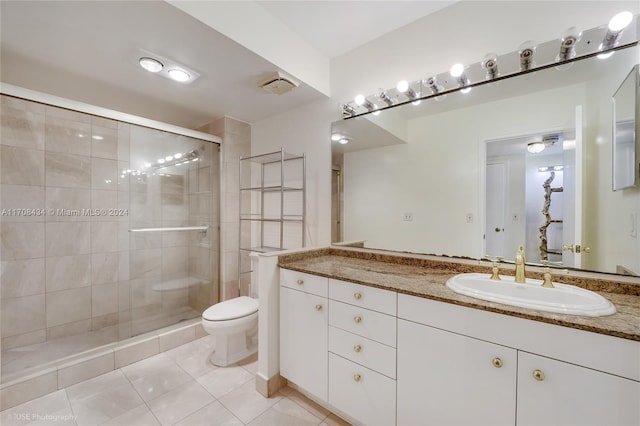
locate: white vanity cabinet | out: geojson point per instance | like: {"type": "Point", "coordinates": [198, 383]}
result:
{"type": "Point", "coordinates": [447, 350]}
{"type": "Point", "coordinates": [552, 392]}
{"type": "Point", "coordinates": [383, 358]}
{"type": "Point", "coordinates": [362, 352]}
{"type": "Point", "coordinates": [303, 331]}
{"type": "Point", "coordinates": [449, 379]}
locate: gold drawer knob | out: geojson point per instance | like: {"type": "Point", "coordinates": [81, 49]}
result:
{"type": "Point", "coordinates": [357, 348]}
{"type": "Point", "coordinates": [300, 282]}
{"type": "Point", "coordinates": [318, 307]}
{"type": "Point", "coordinates": [357, 296]}
{"type": "Point", "coordinates": [357, 319]}
{"type": "Point", "coordinates": [497, 362]}
{"type": "Point", "coordinates": [538, 375]}
{"type": "Point", "coordinates": [356, 377]}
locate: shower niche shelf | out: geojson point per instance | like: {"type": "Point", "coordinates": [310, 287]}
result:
{"type": "Point", "coordinates": [272, 204]}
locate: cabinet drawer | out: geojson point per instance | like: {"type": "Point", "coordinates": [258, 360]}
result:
{"type": "Point", "coordinates": [366, 352]}
{"type": "Point", "coordinates": [305, 282]}
{"type": "Point", "coordinates": [361, 393]}
{"type": "Point", "coordinates": [377, 299]}
{"type": "Point", "coordinates": [363, 322]}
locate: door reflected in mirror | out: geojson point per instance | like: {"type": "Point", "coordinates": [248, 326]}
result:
{"type": "Point", "coordinates": [626, 153]}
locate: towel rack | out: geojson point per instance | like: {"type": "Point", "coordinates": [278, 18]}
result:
{"type": "Point", "coordinates": [202, 228]}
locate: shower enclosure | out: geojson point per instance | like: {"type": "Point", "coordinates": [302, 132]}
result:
{"type": "Point", "coordinates": [108, 230]}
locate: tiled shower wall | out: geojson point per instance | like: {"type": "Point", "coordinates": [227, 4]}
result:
{"type": "Point", "coordinates": [236, 137]}
{"type": "Point", "coordinates": [64, 272]}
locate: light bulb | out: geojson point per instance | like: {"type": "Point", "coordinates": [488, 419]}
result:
{"type": "Point", "coordinates": [336, 137]}
{"type": "Point", "coordinates": [179, 75]}
{"type": "Point", "coordinates": [416, 103]}
{"type": "Point", "coordinates": [160, 160]}
{"type": "Point", "coordinates": [169, 157]}
{"type": "Point", "coordinates": [402, 86]}
{"type": "Point", "coordinates": [620, 21]}
{"type": "Point", "coordinates": [177, 155]}
{"type": "Point", "coordinates": [343, 141]}
{"type": "Point", "coordinates": [457, 70]}
{"type": "Point", "coordinates": [535, 147]}
{"type": "Point", "coordinates": [147, 164]}
{"type": "Point", "coordinates": [150, 64]}
{"type": "Point", "coordinates": [360, 99]}
{"type": "Point", "coordinates": [465, 90]}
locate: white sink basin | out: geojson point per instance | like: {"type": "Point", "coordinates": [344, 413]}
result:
{"type": "Point", "coordinates": [563, 299]}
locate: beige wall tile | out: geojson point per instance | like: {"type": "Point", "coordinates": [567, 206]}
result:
{"type": "Point", "coordinates": [67, 170]}
{"type": "Point", "coordinates": [104, 174]}
{"type": "Point", "coordinates": [22, 240]}
{"type": "Point", "coordinates": [103, 321]}
{"type": "Point", "coordinates": [21, 166]}
{"type": "Point", "coordinates": [27, 390]}
{"type": "Point", "coordinates": [86, 369]}
{"type": "Point", "coordinates": [145, 263]}
{"type": "Point", "coordinates": [67, 136]}
{"type": "Point", "coordinates": [69, 329]}
{"type": "Point", "coordinates": [66, 202]}
{"type": "Point", "coordinates": [104, 268]}
{"type": "Point", "coordinates": [22, 314]}
{"type": "Point", "coordinates": [105, 122]}
{"type": "Point", "coordinates": [136, 351]}
{"type": "Point", "coordinates": [66, 272]}
{"type": "Point", "coordinates": [104, 237]}
{"type": "Point", "coordinates": [25, 203]}
{"type": "Point", "coordinates": [124, 141]}
{"type": "Point", "coordinates": [22, 123]}
{"type": "Point", "coordinates": [22, 278]}
{"type": "Point", "coordinates": [104, 142]}
{"type": "Point", "coordinates": [25, 339]}
{"type": "Point", "coordinates": [67, 114]}
{"type": "Point", "coordinates": [104, 299]}
{"type": "Point", "coordinates": [68, 306]}
{"type": "Point", "coordinates": [68, 238]}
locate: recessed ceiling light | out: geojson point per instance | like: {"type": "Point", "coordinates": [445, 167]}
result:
{"type": "Point", "coordinates": [150, 64]}
{"type": "Point", "coordinates": [179, 75]}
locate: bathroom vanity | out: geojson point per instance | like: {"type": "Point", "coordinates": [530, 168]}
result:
{"type": "Point", "coordinates": [380, 339]}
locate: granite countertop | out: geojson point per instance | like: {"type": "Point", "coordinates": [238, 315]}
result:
{"type": "Point", "coordinates": [426, 278]}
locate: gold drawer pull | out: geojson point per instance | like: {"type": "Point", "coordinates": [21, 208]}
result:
{"type": "Point", "coordinates": [357, 296]}
{"type": "Point", "coordinates": [357, 319]}
{"type": "Point", "coordinates": [318, 307]}
{"type": "Point", "coordinates": [357, 348]}
{"type": "Point", "coordinates": [300, 282]}
{"type": "Point", "coordinates": [497, 362]}
{"type": "Point", "coordinates": [356, 377]}
{"type": "Point", "coordinates": [538, 375]}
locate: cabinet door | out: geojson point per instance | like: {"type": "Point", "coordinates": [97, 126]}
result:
{"type": "Point", "coordinates": [303, 340]}
{"type": "Point", "coordinates": [449, 379]}
{"type": "Point", "coordinates": [552, 392]}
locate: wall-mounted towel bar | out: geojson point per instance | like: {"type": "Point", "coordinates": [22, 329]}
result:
{"type": "Point", "coordinates": [202, 228]}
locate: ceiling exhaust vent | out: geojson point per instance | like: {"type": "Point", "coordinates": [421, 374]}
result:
{"type": "Point", "coordinates": [278, 83]}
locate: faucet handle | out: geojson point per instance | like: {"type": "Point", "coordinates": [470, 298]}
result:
{"type": "Point", "coordinates": [546, 282]}
{"type": "Point", "coordinates": [494, 267]}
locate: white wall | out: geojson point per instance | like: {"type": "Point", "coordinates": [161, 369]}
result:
{"type": "Point", "coordinates": [305, 130]}
{"type": "Point", "coordinates": [438, 175]}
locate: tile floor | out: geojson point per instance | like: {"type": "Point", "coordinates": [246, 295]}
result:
{"type": "Point", "coordinates": [177, 387]}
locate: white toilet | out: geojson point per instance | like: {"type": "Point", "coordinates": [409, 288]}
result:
{"type": "Point", "coordinates": [234, 322]}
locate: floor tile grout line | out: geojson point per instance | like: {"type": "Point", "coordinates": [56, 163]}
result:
{"type": "Point", "coordinates": [305, 408]}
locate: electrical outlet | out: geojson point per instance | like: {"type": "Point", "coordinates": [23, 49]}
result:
{"type": "Point", "coordinates": [514, 217]}
{"type": "Point", "coordinates": [408, 217]}
{"type": "Point", "coordinates": [469, 217]}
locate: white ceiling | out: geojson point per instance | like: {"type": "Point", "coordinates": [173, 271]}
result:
{"type": "Point", "coordinates": [336, 27]}
{"type": "Point", "coordinates": [87, 51]}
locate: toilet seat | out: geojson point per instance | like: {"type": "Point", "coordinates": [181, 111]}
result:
{"type": "Point", "coordinates": [231, 309]}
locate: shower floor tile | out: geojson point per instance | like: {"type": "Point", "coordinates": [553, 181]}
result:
{"type": "Point", "coordinates": [187, 390]}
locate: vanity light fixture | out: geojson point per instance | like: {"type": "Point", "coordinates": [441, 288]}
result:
{"type": "Point", "coordinates": [457, 72]}
{"type": "Point", "coordinates": [490, 65]}
{"type": "Point", "coordinates": [348, 110]}
{"type": "Point", "coordinates": [403, 87]}
{"type": "Point", "coordinates": [568, 43]}
{"type": "Point", "coordinates": [526, 51]}
{"type": "Point", "coordinates": [551, 169]}
{"type": "Point", "coordinates": [432, 84]}
{"type": "Point", "coordinates": [362, 101]}
{"type": "Point", "coordinates": [336, 137]}
{"type": "Point", "coordinates": [150, 64]}
{"type": "Point", "coordinates": [385, 98]}
{"type": "Point", "coordinates": [616, 25]}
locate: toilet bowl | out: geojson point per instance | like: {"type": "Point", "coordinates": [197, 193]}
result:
{"type": "Point", "coordinates": [234, 322]}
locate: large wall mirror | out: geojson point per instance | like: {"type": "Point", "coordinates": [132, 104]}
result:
{"type": "Point", "coordinates": [524, 160]}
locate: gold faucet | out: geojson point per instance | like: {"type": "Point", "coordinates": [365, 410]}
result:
{"type": "Point", "coordinates": [520, 260]}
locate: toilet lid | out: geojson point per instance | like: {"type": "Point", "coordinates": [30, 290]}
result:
{"type": "Point", "coordinates": [231, 309]}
